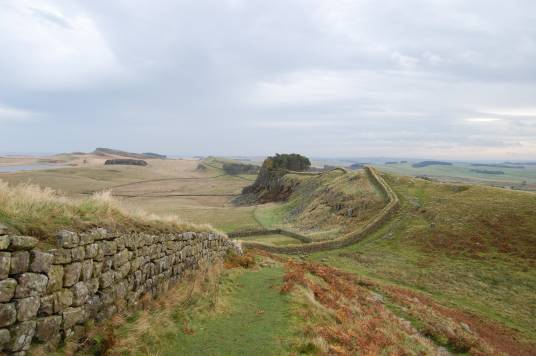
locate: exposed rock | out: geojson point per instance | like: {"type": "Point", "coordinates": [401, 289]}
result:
{"type": "Point", "coordinates": [86, 239]}
{"type": "Point", "coordinates": [62, 256]}
{"type": "Point", "coordinates": [20, 261]}
{"type": "Point", "coordinates": [31, 284]}
{"type": "Point", "coordinates": [46, 306]}
{"type": "Point", "coordinates": [5, 241]}
{"type": "Point", "coordinates": [78, 253]}
{"type": "Point", "coordinates": [48, 328]}
{"type": "Point", "coordinates": [7, 289]}
{"type": "Point", "coordinates": [27, 308]}
{"type": "Point", "coordinates": [92, 250]}
{"type": "Point", "coordinates": [55, 278]}
{"type": "Point", "coordinates": [71, 274]}
{"type": "Point", "coordinates": [87, 269]}
{"type": "Point", "coordinates": [5, 263]}
{"type": "Point", "coordinates": [73, 316]}
{"type": "Point", "coordinates": [120, 258]}
{"type": "Point", "coordinates": [80, 293]}
{"type": "Point", "coordinates": [5, 337]}
{"type": "Point", "coordinates": [3, 230]}
{"type": "Point", "coordinates": [109, 248]}
{"type": "Point", "coordinates": [67, 239]}
{"type": "Point", "coordinates": [63, 299]}
{"type": "Point", "coordinates": [8, 314]}
{"type": "Point", "coordinates": [40, 261]}
{"type": "Point", "coordinates": [106, 279]}
{"type": "Point", "coordinates": [21, 336]}
{"type": "Point", "coordinates": [22, 243]}
{"type": "Point", "coordinates": [125, 161]}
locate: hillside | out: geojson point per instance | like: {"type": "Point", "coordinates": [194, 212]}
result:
{"type": "Point", "coordinates": [325, 205]}
{"type": "Point", "coordinates": [40, 212]}
{"type": "Point", "coordinates": [453, 270]}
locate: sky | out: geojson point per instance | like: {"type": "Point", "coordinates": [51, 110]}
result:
{"type": "Point", "coordinates": [451, 79]}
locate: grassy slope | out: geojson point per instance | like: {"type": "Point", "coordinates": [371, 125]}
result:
{"type": "Point", "coordinates": [41, 212]}
{"type": "Point", "coordinates": [153, 187]}
{"type": "Point", "coordinates": [321, 204]}
{"type": "Point", "coordinates": [463, 171]}
{"type": "Point", "coordinates": [473, 249]}
{"type": "Point", "coordinates": [237, 312]}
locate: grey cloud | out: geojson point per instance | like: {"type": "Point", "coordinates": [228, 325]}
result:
{"type": "Point", "coordinates": [254, 77]}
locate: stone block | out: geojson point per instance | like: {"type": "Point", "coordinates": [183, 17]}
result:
{"type": "Point", "coordinates": [107, 264]}
{"type": "Point", "coordinates": [20, 261]}
{"type": "Point", "coordinates": [67, 239]}
{"type": "Point", "coordinates": [55, 278]}
{"type": "Point", "coordinates": [87, 269]}
{"type": "Point", "coordinates": [7, 289]}
{"type": "Point", "coordinates": [78, 253]}
{"type": "Point", "coordinates": [48, 328]}
{"type": "Point", "coordinates": [99, 233]}
{"type": "Point", "coordinates": [93, 285]}
{"type": "Point", "coordinates": [5, 263]}
{"type": "Point", "coordinates": [71, 274]}
{"type": "Point", "coordinates": [92, 250]}
{"type": "Point", "coordinates": [61, 256]}
{"type": "Point", "coordinates": [123, 270]}
{"type": "Point", "coordinates": [46, 307]}
{"type": "Point", "coordinates": [109, 247]}
{"type": "Point", "coordinates": [97, 269]}
{"type": "Point", "coordinates": [62, 300]}
{"type": "Point", "coordinates": [5, 337]}
{"type": "Point", "coordinates": [5, 241]}
{"type": "Point", "coordinates": [22, 243]}
{"type": "Point", "coordinates": [27, 308]}
{"type": "Point", "coordinates": [21, 336]}
{"type": "Point", "coordinates": [86, 239]}
{"type": "Point", "coordinates": [73, 316]}
{"type": "Point", "coordinates": [106, 279]}
{"type": "Point", "coordinates": [31, 284]}
{"type": "Point", "coordinates": [40, 261]}
{"type": "Point", "coordinates": [8, 314]}
{"type": "Point", "coordinates": [80, 293]}
{"type": "Point", "coordinates": [120, 258]}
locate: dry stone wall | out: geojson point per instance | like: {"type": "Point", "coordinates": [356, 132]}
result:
{"type": "Point", "coordinates": [47, 295]}
{"type": "Point", "coordinates": [393, 203]}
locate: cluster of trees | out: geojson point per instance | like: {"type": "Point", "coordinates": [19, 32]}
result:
{"type": "Point", "coordinates": [233, 168]}
{"type": "Point", "coordinates": [291, 162]}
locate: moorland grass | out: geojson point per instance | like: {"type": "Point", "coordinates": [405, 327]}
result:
{"type": "Point", "coordinates": [234, 312]}
{"type": "Point", "coordinates": [31, 210]}
{"type": "Point", "coordinates": [470, 247]}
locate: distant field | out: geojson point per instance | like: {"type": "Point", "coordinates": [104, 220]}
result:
{"type": "Point", "coordinates": [165, 187]}
{"type": "Point", "coordinates": [469, 173]}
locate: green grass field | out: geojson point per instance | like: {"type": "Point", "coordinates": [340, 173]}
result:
{"type": "Point", "coordinates": [456, 257]}
{"type": "Point", "coordinates": [462, 172]}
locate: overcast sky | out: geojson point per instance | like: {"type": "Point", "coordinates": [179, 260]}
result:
{"type": "Point", "coordinates": [408, 78]}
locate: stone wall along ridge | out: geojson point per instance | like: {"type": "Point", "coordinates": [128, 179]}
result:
{"type": "Point", "coordinates": [47, 295]}
{"type": "Point", "coordinates": [393, 203]}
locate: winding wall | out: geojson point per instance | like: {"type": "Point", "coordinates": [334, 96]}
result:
{"type": "Point", "coordinates": [393, 203]}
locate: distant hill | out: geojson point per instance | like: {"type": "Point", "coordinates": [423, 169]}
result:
{"type": "Point", "coordinates": [509, 165]}
{"type": "Point", "coordinates": [430, 163]}
{"type": "Point", "coordinates": [109, 151]}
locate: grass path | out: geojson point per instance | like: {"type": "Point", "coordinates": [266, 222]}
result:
{"type": "Point", "coordinates": [258, 322]}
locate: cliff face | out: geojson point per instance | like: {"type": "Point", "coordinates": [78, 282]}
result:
{"type": "Point", "coordinates": [268, 187]}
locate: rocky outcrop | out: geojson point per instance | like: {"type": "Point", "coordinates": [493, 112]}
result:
{"type": "Point", "coordinates": [126, 161]}
{"type": "Point", "coordinates": [48, 295]}
{"type": "Point", "coordinates": [393, 203]}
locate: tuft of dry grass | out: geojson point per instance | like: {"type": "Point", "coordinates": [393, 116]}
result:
{"type": "Point", "coordinates": [31, 210]}
{"type": "Point", "coordinates": [233, 260]}
{"type": "Point", "coordinates": [146, 329]}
